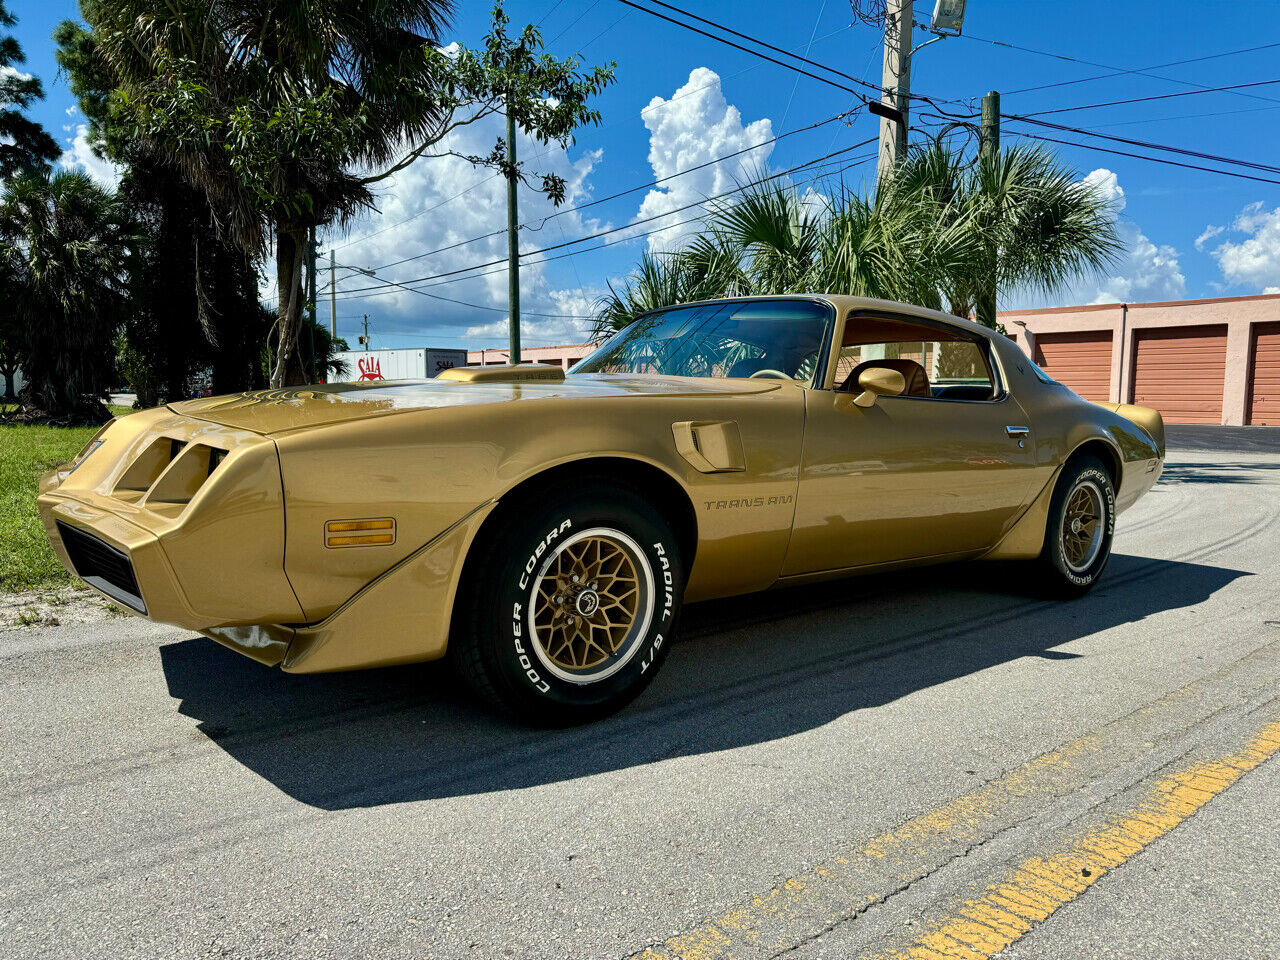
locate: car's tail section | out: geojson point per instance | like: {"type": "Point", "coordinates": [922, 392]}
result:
{"type": "Point", "coordinates": [1147, 418]}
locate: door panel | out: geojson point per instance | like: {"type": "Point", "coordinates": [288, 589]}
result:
{"type": "Point", "coordinates": [1180, 371]}
{"type": "Point", "coordinates": [1081, 361]}
{"type": "Point", "coordinates": [905, 478]}
{"type": "Point", "coordinates": [1264, 375]}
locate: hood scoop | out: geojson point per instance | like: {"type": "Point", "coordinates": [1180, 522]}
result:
{"type": "Point", "coordinates": [506, 373]}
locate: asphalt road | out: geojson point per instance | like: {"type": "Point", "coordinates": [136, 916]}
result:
{"type": "Point", "coordinates": [936, 763]}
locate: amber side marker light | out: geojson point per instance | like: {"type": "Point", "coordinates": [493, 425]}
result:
{"type": "Point", "coordinates": [360, 533]}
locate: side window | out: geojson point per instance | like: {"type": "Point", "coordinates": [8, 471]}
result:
{"type": "Point", "coordinates": [937, 362]}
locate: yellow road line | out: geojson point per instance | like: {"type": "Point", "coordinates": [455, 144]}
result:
{"type": "Point", "coordinates": [826, 895]}
{"type": "Point", "coordinates": [1006, 911]}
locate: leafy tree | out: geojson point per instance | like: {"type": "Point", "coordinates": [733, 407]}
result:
{"type": "Point", "coordinates": [24, 144]}
{"type": "Point", "coordinates": [284, 114]}
{"type": "Point", "coordinates": [194, 293]}
{"type": "Point", "coordinates": [941, 233]}
{"type": "Point", "coordinates": [67, 244]}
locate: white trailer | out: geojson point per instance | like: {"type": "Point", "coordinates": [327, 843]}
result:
{"type": "Point", "coordinates": [418, 363]}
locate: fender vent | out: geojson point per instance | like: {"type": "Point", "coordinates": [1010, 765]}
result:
{"type": "Point", "coordinates": [168, 471]}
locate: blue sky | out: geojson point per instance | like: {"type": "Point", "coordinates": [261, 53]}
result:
{"type": "Point", "coordinates": [1188, 233]}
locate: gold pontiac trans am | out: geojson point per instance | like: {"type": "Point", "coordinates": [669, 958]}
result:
{"type": "Point", "coordinates": [542, 530]}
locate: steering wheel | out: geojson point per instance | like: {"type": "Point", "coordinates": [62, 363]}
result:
{"type": "Point", "coordinates": [769, 372]}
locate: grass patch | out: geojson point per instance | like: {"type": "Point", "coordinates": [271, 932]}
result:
{"type": "Point", "coordinates": [26, 559]}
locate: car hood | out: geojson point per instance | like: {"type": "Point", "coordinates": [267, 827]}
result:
{"type": "Point", "coordinates": [294, 408]}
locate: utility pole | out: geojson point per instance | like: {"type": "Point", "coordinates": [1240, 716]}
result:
{"type": "Point", "coordinates": [311, 303]}
{"type": "Point", "coordinates": [513, 240]}
{"type": "Point", "coordinates": [989, 137]}
{"type": "Point", "coordinates": [333, 301]}
{"type": "Point", "coordinates": [988, 151]}
{"type": "Point", "coordinates": [895, 81]}
{"type": "Point", "coordinates": [364, 325]}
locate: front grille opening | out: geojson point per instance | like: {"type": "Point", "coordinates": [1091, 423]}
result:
{"type": "Point", "coordinates": [101, 565]}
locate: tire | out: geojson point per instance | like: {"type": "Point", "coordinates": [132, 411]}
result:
{"type": "Point", "coordinates": [521, 624]}
{"type": "Point", "coordinates": [1076, 549]}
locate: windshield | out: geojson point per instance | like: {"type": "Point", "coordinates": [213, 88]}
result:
{"type": "Point", "coordinates": [770, 338]}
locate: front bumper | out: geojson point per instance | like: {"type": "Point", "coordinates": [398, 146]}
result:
{"type": "Point", "coordinates": [177, 520]}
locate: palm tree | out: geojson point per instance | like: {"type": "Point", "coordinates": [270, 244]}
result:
{"type": "Point", "coordinates": [942, 233]}
{"type": "Point", "coordinates": [66, 244]}
{"type": "Point", "coordinates": [774, 240]}
{"type": "Point", "coordinates": [1029, 222]}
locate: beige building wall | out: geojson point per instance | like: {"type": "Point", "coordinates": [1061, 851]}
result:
{"type": "Point", "coordinates": [564, 356]}
{"type": "Point", "coordinates": [1123, 320]}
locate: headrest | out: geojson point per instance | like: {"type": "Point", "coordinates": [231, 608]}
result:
{"type": "Point", "coordinates": [917, 380]}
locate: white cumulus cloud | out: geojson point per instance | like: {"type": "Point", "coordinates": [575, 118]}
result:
{"type": "Point", "coordinates": [80, 156]}
{"type": "Point", "coordinates": [1208, 234]}
{"type": "Point", "coordinates": [1253, 260]}
{"type": "Point", "coordinates": [438, 202]}
{"type": "Point", "coordinates": [697, 125]}
{"type": "Point", "coordinates": [1146, 270]}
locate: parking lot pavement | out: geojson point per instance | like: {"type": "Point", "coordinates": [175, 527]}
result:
{"type": "Point", "coordinates": [844, 770]}
{"type": "Point", "coordinates": [1197, 436]}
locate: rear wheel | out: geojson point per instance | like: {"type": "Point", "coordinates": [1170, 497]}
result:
{"type": "Point", "coordinates": [1081, 524]}
{"type": "Point", "coordinates": [567, 607]}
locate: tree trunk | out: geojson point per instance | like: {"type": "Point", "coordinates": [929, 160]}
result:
{"type": "Point", "coordinates": [985, 299]}
{"type": "Point", "coordinates": [290, 243]}
{"type": "Point", "coordinates": [9, 393]}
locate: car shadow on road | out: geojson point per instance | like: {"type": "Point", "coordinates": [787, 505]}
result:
{"type": "Point", "coordinates": [745, 671]}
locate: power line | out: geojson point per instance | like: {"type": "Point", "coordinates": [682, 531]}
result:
{"type": "Point", "coordinates": [1160, 96]}
{"type": "Point", "coordinates": [658, 106]}
{"type": "Point", "coordinates": [481, 306]}
{"type": "Point", "coordinates": [633, 224]}
{"type": "Point", "coordinates": [757, 53]}
{"type": "Point", "coordinates": [453, 278]}
{"type": "Point", "coordinates": [420, 213]}
{"type": "Point", "coordinates": [574, 253]}
{"type": "Point", "coordinates": [550, 10]}
{"type": "Point", "coordinates": [1117, 71]}
{"type": "Point", "coordinates": [358, 295]}
{"type": "Point", "coordinates": [623, 193]}
{"type": "Point", "coordinates": [574, 21]}
{"type": "Point", "coordinates": [1145, 144]}
{"type": "Point", "coordinates": [1185, 116]}
{"type": "Point", "coordinates": [1138, 156]}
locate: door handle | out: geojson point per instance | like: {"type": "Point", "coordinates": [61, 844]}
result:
{"type": "Point", "coordinates": [1017, 432]}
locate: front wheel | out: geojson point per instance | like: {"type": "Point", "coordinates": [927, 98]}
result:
{"type": "Point", "coordinates": [567, 608]}
{"type": "Point", "coordinates": [1080, 528]}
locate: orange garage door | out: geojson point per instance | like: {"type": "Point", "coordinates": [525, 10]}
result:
{"type": "Point", "coordinates": [1180, 372]}
{"type": "Point", "coordinates": [1080, 360]}
{"type": "Point", "coordinates": [1264, 375]}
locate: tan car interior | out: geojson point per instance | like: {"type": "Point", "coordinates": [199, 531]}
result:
{"type": "Point", "coordinates": [913, 349]}
{"type": "Point", "coordinates": [916, 379]}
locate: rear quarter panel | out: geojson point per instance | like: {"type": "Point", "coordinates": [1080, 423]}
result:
{"type": "Point", "coordinates": [1062, 421]}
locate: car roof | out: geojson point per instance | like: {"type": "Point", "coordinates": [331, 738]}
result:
{"type": "Point", "coordinates": [846, 304]}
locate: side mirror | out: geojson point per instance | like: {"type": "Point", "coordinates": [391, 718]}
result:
{"type": "Point", "coordinates": [879, 382]}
